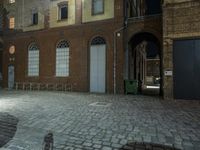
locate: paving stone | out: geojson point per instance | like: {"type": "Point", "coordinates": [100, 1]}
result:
{"type": "Point", "coordinates": [77, 124]}
{"type": "Point", "coordinates": [87, 144]}
{"type": "Point", "coordinates": [97, 146]}
{"type": "Point", "coordinates": [106, 148]}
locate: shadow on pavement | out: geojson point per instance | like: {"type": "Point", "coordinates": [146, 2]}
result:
{"type": "Point", "coordinates": [146, 146]}
{"type": "Point", "coordinates": [8, 127]}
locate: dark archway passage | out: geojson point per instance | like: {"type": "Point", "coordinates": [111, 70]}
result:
{"type": "Point", "coordinates": [144, 63]}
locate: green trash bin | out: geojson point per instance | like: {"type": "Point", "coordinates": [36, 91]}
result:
{"type": "Point", "coordinates": [131, 86]}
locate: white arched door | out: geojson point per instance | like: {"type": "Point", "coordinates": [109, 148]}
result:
{"type": "Point", "coordinates": [98, 66]}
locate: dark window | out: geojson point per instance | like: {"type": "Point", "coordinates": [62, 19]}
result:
{"type": "Point", "coordinates": [1, 22]}
{"type": "Point", "coordinates": [63, 11]}
{"type": "Point", "coordinates": [35, 18]}
{"type": "Point", "coordinates": [137, 8]}
{"type": "Point", "coordinates": [153, 7]}
{"type": "Point", "coordinates": [97, 7]}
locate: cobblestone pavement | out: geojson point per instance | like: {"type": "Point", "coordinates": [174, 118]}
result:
{"type": "Point", "coordinates": [81, 121]}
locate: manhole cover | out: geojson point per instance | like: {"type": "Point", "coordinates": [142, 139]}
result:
{"type": "Point", "coordinates": [146, 146]}
{"type": "Point", "coordinates": [101, 104]}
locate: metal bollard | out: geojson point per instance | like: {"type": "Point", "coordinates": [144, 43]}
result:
{"type": "Point", "coordinates": [48, 142]}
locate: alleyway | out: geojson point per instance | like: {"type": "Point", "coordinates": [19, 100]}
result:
{"type": "Point", "coordinates": [89, 121]}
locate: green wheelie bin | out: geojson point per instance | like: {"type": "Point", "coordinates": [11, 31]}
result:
{"type": "Point", "coordinates": [131, 86]}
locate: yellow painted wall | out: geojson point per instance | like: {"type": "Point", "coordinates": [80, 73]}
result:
{"type": "Point", "coordinates": [22, 11]}
{"type": "Point", "coordinates": [53, 12]}
{"type": "Point", "coordinates": [176, 1]}
{"type": "Point", "coordinates": [87, 11]}
{"type": "Point", "coordinates": [39, 26]}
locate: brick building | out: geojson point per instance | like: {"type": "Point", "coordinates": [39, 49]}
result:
{"type": "Point", "coordinates": [94, 45]}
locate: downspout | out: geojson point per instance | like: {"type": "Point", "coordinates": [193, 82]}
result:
{"type": "Point", "coordinates": [23, 14]}
{"type": "Point", "coordinates": [115, 47]}
{"type": "Point", "coordinates": [115, 58]}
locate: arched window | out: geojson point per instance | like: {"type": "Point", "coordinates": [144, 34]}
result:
{"type": "Point", "coordinates": [98, 41]}
{"type": "Point", "coordinates": [33, 60]}
{"type": "Point", "coordinates": [62, 59]}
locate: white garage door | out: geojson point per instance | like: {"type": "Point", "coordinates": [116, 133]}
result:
{"type": "Point", "coordinates": [98, 68]}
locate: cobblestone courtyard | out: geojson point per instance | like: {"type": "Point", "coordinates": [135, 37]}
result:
{"type": "Point", "coordinates": [84, 121]}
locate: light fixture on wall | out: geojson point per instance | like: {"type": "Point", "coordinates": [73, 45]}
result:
{"type": "Point", "coordinates": [12, 49]}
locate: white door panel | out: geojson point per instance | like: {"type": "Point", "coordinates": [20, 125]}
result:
{"type": "Point", "coordinates": [97, 68]}
{"type": "Point", "coordinates": [11, 77]}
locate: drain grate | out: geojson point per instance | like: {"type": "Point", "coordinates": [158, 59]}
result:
{"type": "Point", "coordinates": [100, 104]}
{"type": "Point", "coordinates": [146, 146]}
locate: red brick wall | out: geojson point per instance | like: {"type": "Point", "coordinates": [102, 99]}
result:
{"type": "Point", "coordinates": [79, 38]}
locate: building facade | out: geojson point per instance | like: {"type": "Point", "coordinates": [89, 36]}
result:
{"type": "Point", "coordinates": [54, 43]}
{"type": "Point", "coordinates": [181, 48]}
{"type": "Point", "coordinates": [94, 45]}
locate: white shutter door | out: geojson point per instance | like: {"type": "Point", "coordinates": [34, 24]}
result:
{"type": "Point", "coordinates": [93, 69]}
{"type": "Point", "coordinates": [101, 68]}
{"type": "Point", "coordinates": [97, 68]}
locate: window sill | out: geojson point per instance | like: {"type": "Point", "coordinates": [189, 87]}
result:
{"type": "Point", "coordinates": [96, 14]}
{"type": "Point", "coordinates": [32, 25]}
{"type": "Point", "coordinates": [61, 76]}
{"type": "Point", "coordinates": [62, 20]}
{"type": "Point", "coordinates": [32, 76]}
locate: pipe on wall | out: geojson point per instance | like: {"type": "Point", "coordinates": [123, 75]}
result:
{"type": "Point", "coordinates": [115, 58]}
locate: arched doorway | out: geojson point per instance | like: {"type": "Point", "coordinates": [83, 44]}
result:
{"type": "Point", "coordinates": [98, 65]}
{"type": "Point", "coordinates": [144, 63]}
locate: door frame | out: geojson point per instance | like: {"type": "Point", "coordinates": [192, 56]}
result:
{"type": "Point", "coordinates": [8, 75]}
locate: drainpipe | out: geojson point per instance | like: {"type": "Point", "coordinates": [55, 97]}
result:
{"type": "Point", "coordinates": [115, 57]}
{"type": "Point", "coordinates": [23, 14]}
{"type": "Point", "coordinates": [115, 47]}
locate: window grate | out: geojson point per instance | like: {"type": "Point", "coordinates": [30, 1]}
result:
{"type": "Point", "coordinates": [62, 59]}
{"type": "Point", "coordinates": [33, 60]}
{"type": "Point", "coordinates": [98, 41]}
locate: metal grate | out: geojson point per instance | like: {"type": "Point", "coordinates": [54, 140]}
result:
{"type": "Point", "coordinates": [63, 44]}
{"type": "Point", "coordinates": [98, 41]}
{"type": "Point", "coordinates": [146, 146]}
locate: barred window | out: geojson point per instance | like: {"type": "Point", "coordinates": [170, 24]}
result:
{"type": "Point", "coordinates": [33, 60]}
{"type": "Point", "coordinates": [62, 59]}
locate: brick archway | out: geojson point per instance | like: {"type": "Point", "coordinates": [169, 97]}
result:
{"type": "Point", "coordinates": [144, 62]}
